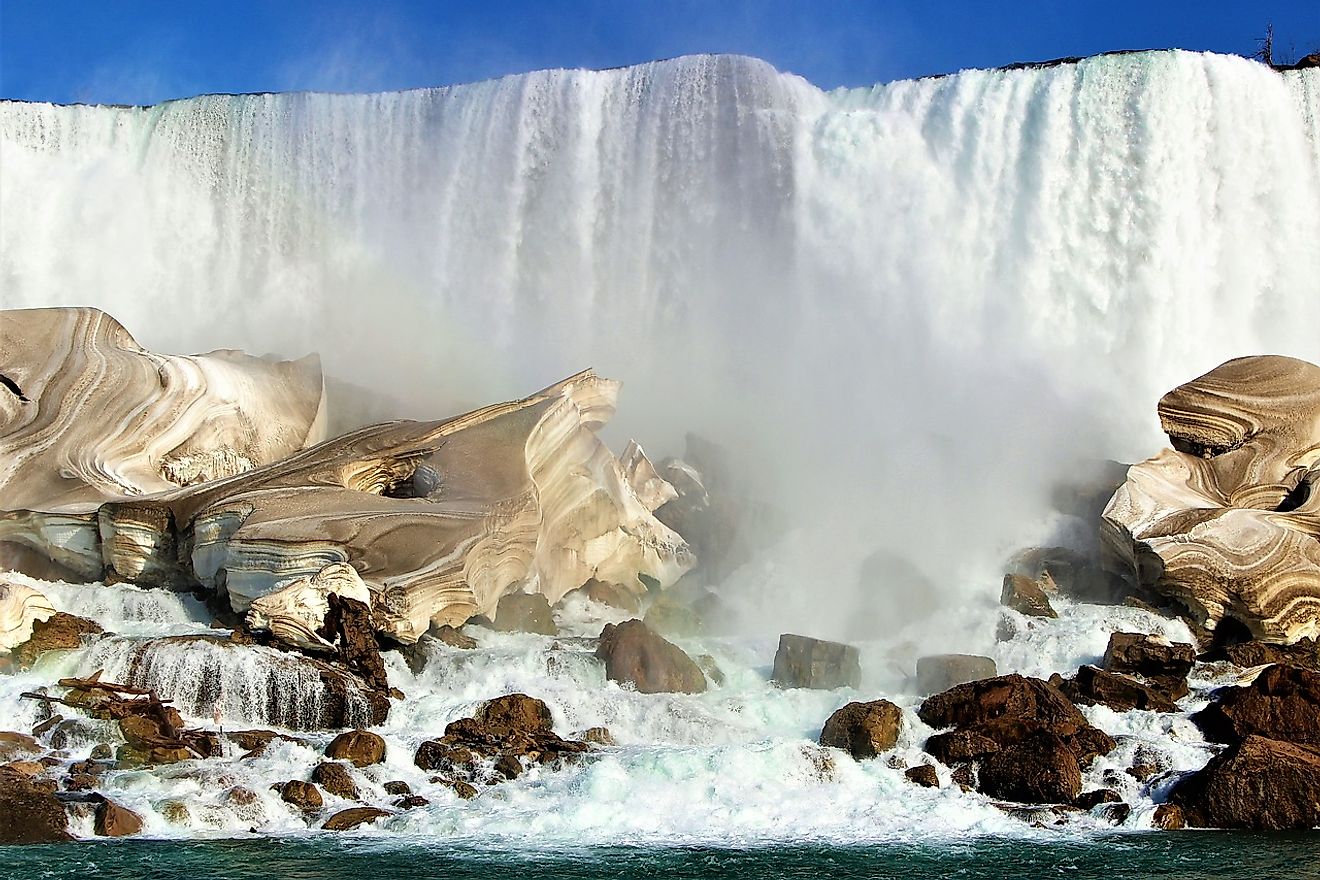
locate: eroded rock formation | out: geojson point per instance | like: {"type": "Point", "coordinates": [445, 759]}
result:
{"type": "Point", "coordinates": [1226, 522]}
{"type": "Point", "coordinates": [20, 608]}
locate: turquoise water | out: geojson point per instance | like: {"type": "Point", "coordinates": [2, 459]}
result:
{"type": "Point", "coordinates": [1185, 856]}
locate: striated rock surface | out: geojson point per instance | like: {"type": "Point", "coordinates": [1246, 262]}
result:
{"type": "Point", "coordinates": [295, 613]}
{"type": "Point", "coordinates": [160, 422]}
{"type": "Point", "coordinates": [803, 662]}
{"type": "Point", "coordinates": [20, 607]}
{"type": "Point", "coordinates": [635, 655]}
{"type": "Point", "coordinates": [1226, 522]}
{"type": "Point", "coordinates": [863, 730]}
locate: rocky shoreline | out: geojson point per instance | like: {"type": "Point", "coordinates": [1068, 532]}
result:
{"type": "Point", "coordinates": [330, 568]}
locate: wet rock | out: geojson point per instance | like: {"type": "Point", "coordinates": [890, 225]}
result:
{"type": "Point", "coordinates": [15, 746]}
{"type": "Point", "coordinates": [113, 820]}
{"type": "Point", "coordinates": [525, 612]}
{"type": "Point", "coordinates": [464, 790]}
{"type": "Point", "coordinates": [803, 662]}
{"type": "Point", "coordinates": [1282, 703]}
{"type": "Point", "coordinates": [1304, 653]}
{"type": "Point", "coordinates": [964, 777]}
{"type": "Point", "coordinates": [176, 813]}
{"type": "Point", "coordinates": [102, 752]}
{"type": "Point", "coordinates": [1164, 665]}
{"type": "Point", "coordinates": [60, 632]}
{"type": "Point", "coordinates": [349, 623]}
{"type": "Point", "coordinates": [1089, 799]}
{"type": "Point", "coordinates": [1118, 692]}
{"type": "Point", "coordinates": [1258, 783]}
{"type": "Point", "coordinates": [1115, 814]}
{"type": "Point", "coordinates": [864, 730]}
{"type": "Point", "coordinates": [336, 779]}
{"type": "Point", "coordinates": [1006, 708]}
{"type": "Point", "coordinates": [923, 775]}
{"type": "Point", "coordinates": [361, 748]}
{"type": "Point", "coordinates": [938, 673]}
{"type": "Point", "coordinates": [1039, 769]}
{"type": "Point", "coordinates": [254, 742]}
{"type": "Point", "coordinates": [303, 795]}
{"type": "Point", "coordinates": [597, 736]}
{"type": "Point", "coordinates": [1168, 817]}
{"type": "Point", "coordinates": [508, 766]}
{"type": "Point", "coordinates": [612, 595]}
{"type": "Point", "coordinates": [959, 746]}
{"type": "Point", "coordinates": [30, 812]}
{"type": "Point", "coordinates": [398, 787]}
{"type": "Point", "coordinates": [1024, 595]}
{"type": "Point", "coordinates": [346, 820]}
{"type": "Point", "coordinates": [1074, 573]}
{"type": "Point", "coordinates": [633, 654]}
{"type": "Point", "coordinates": [452, 637]}
{"type": "Point", "coordinates": [26, 768]}
{"type": "Point", "coordinates": [515, 713]}
{"type": "Point", "coordinates": [411, 802]}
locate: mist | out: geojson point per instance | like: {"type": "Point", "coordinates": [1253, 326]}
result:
{"type": "Point", "coordinates": [910, 312]}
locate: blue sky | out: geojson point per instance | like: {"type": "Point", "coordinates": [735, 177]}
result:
{"type": "Point", "coordinates": [143, 52]}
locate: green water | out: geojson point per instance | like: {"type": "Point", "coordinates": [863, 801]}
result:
{"type": "Point", "coordinates": [1186, 856]}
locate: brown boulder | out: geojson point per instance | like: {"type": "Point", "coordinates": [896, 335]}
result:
{"type": "Point", "coordinates": [864, 730]}
{"type": "Point", "coordinates": [515, 713]}
{"type": "Point", "coordinates": [335, 778]}
{"type": "Point", "coordinates": [1038, 770]}
{"type": "Point", "coordinates": [1258, 783]}
{"type": "Point", "coordinates": [1118, 692]}
{"type": "Point", "coordinates": [613, 595]}
{"type": "Point", "coordinates": [1303, 652]}
{"type": "Point", "coordinates": [525, 612]}
{"type": "Point", "coordinates": [15, 746]}
{"type": "Point", "coordinates": [60, 632]}
{"type": "Point", "coordinates": [1169, 817]}
{"type": "Point", "coordinates": [635, 655]}
{"type": "Point", "coordinates": [938, 673]}
{"type": "Point", "coordinates": [1164, 665]}
{"type": "Point", "coordinates": [452, 637]}
{"type": "Point", "coordinates": [1283, 703]}
{"type": "Point", "coordinates": [1024, 595]}
{"type": "Point", "coordinates": [959, 746]}
{"type": "Point", "coordinates": [803, 662]}
{"type": "Point", "coordinates": [112, 820]}
{"type": "Point", "coordinates": [361, 748]}
{"type": "Point", "coordinates": [30, 812]}
{"type": "Point", "coordinates": [923, 775]}
{"type": "Point", "coordinates": [1007, 709]}
{"type": "Point", "coordinates": [349, 623]}
{"type": "Point", "coordinates": [346, 820]}
{"type": "Point", "coordinates": [597, 736]}
{"type": "Point", "coordinates": [303, 795]}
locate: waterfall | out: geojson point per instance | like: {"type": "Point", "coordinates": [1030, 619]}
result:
{"type": "Point", "coordinates": [912, 307]}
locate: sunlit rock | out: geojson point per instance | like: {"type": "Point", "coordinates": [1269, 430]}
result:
{"type": "Point", "coordinates": [293, 614]}
{"type": "Point", "coordinates": [1226, 522]}
{"type": "Point", "coordinates": [20, 607]}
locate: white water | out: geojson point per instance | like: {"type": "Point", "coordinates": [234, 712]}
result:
{"type": "Point", "coordinates": [911, 308]}
{"type": "Point", "coordinates": [730, 767]}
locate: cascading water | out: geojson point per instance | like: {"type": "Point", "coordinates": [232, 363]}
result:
{"type": "Point", "coordinates": [910, 308]}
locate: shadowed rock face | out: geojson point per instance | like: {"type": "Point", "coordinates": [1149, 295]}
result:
{"type": "Point", "coordinates": [87, 415]}
{"type": "Point", "coordinates": [1226, 522]}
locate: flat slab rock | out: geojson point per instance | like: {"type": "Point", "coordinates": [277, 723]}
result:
{"type": "Point", "coordinates": [804, 662]}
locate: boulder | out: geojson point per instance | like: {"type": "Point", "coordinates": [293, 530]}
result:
{"type": "Point", "coordinates": [452, 637]}
{"type": "Point", "coordinates": [669, 616]}
{"type": "Point", "coordinates": [59, 632]}
{"type": "Point", "coordinates": [864, 730]}
{"type": "Point", "coordinates": [1283, 703]}
{"type": "Point", "coordinates": [1222, 523]}
{"type": "Point", "coordinates": [924, 775]}
{"type": "Point", "coordinates": [1164, 665]}
{"type": "Point", "coordinates": [1258, 783]}
{"type": "Point", "coordinates": [1169, 817]}
{"type": "Point", "coordinates": [359, 747]}
{"type": "Point", "coordinates": [1118, 692]}
{"type": "Point", "coordinates": [303, 795]}
{"type": "Point", "coordinates": [597, 736]}
{"type": "Point", "coordinates": [612, 595]}
{"type": "Point", "coordinates": [346, 820]}
{"type": "Point", "coordinates": [20, 607]}
{"type": "Point", "coordinates": [803, 662]}
{"type": "Point", "coordinates": [940, 672]}
{"type": "Point", "coordinates": [29, 811]}
{"type": "Point", "coordinates": [1039, 769]}
{"type": "Point", "coordinates": [349, 624]}
{"type": "Point", "coordinates": [959, 746]}
{"type": "Point", "coordinates": [1024, 595]}
{"type": "Point", "coordinates": [513, 714]}
{"type": "Point", "coordinates": [1304, 653]}
{"type": "Point", "coordinates": [1088, 800]}
{"type": "Point", "coordinates": [635, 655]}
{"type": "Point", "coordinates": [15, 746]}
{"type": "Point", "coordinates": [525, 612]}
{"type": "Point", "coordinates": [336, 779]}
{"type": "Point", "coordinates": [113, 820]}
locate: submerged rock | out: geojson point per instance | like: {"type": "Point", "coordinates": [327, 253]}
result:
{"type": "Point", "coordinates": [1225, 522]}
{"type": "Point", "coordinates": [1118, 692]}
{"type": "Point", "coordinates": [864, 730]}
{"type": "Point", "coordinates": [1259, 783]}
{"type": "Point", "coordinates": [803, 662]}
{"type": "Point", "coordinates": [634, 655]}
{"type": "Point", "coordinates": [346, 820]}
{"type": "Point", "coordinates": [940, 672]}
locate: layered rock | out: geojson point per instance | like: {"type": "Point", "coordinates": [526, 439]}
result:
{"type": "Point", "coordinates": [1226, 522]}
{"type": "Point", "coordinates": [295, 613]}
{"type": "Point", "coordinates": [87, 415]}
{"type": "Point", "coordinates": [20, 607]}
